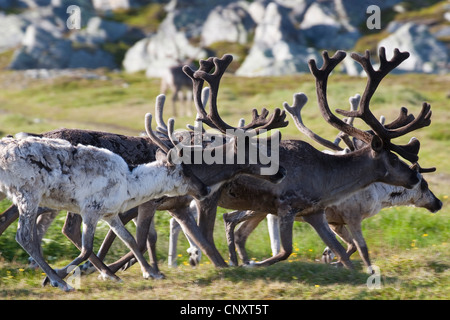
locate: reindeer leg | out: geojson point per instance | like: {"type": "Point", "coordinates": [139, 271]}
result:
{"type": "Point", "coordinates": [145, 216]}
{"type": "Point", "coordinates": [273, 225]}
{"type": "Point", "coordinates": [43, 222]}
{"type": "Point", "coordinates": [242, 233]}
{"type": "Point", "coordinates": [341, 231]}
{"type": "Point", "coordinates": [118, 227]}
{"type": "Point", "coordinates": [188, 102]}
{"type": "Point", "coordinates": [89, 225]}
{"type": "Point", "coordinates": [27, 237]}
{"type": "Point", "coordinates": [207, 210]}
{"type": "Point", "coordinates": [286, 226]}
{"type": "Point", "coordinates": [318, 221]}
{"type": "Point", "coordinates": [7, 217]}
{"type": "Point", "coordinates": [71, 230]}
{"type": "Point", "coordinates": [231, 220]}
{"type": "Point", "coordinates": [174, 101]}
{"type": "Point", "coordinates": [191, 229]}
{"type": "Point", "coordinates": [126, 217]}
{"type": "Point", "coordinates": [358, 240]}
{"type": "Point", "coordinates": [175, 229]}
{"type": "Point", "coordinates": [152, 238]}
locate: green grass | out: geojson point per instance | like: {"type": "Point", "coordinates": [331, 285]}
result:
{"type": "Point", "coordinates": [409, 245]}
{"type": "Point", "coordinates": [146, 18]}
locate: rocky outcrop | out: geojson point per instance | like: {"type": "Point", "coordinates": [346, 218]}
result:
{"type": "Point", "coordinates": [43, 39]}
{"type": "Point", "coordinates": [326, 25]}
{"type": "Point", "coordinates": [280, 36]}
{"type": "Point", "coordinates": [231, 23]}
{"type": "Point", "coordinates": [172, 43]}
{"type": "Point", "coordinates": [99, 31]}
{"type": "Point", "coordinates": [42, 48]}
{"type": "Point", "coordinates": [12, 31]}
{"type": "Point", "coordinates": [427, 54]}
{"type": "Point", "coordinates": [156, 53]}
{"type": "Point", "coordinates": [278, 47]}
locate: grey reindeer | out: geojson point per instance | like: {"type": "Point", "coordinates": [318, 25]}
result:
{"type": "Point", "coordinates": [174, 79]}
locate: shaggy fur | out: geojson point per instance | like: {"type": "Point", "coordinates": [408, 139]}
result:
{"type": "Point", "coordinates": [93, 182]}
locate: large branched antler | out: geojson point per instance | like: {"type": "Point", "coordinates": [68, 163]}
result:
{"type": "Point", "coordinates": [402, 125]}
{"type": "Point", "coordinates": [321, 76]}
{"type": "Point", "coordinates": [213, 119]}
{"type": "Point", "coordinates": [374, 79]}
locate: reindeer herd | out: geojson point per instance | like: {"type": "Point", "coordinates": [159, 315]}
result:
{"type": "Point", "coordinates": [97, 175]}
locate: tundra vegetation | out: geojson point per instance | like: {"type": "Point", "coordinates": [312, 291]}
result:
{"type": "Point", "coordinates": [409, 245]}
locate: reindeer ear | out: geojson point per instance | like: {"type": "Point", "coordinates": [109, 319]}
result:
{"type": "Point", "coordinates": [168, 158]}
{"type": "Point", "coordinates": [161, 155]}
{"type": "Point", "coordinates": [376, 143]}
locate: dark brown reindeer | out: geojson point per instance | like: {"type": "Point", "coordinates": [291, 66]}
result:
{"type": "Point", "coordinates": [317, 180]}
{"type": "Point", "coordinates": [345, 217]}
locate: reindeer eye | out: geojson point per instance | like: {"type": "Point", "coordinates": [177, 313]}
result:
{"type": "Point", "coordinates": [393, 161]}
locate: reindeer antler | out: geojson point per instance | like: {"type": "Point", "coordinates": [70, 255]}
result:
{"type": "Point", "coordinates": [152, 135]}
{"type": "Point", "coordinates": [197, 85]}
{"type": "Point", "coordinates": [300, 100]}
{"type": "Point", "coordinates": [159, 110]}
{"type": "Point", "coordinates": [162, 129]}
{"type": "Point", "coordinates": [213, 119]}
{"type": "Point", "coordinates": [401, 126]}
{"type": "Point", "coordinates": [321, 76]}
{"type": "Point", "coordinates": [374, 79]}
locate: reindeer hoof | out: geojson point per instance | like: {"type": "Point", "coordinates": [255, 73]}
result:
{"type": "Point", "coordinates": [87, 268]}
{"type": "Point", "coordinates": [106, 277]}
{"type": "Point", "coordinates": [250, 264]}
{"type": "Point", "coordinates": [159, 275]}
{"type": "Point", "coordinates": [59, 284]}
{"type": "Point", "coordinates": [327, 256]}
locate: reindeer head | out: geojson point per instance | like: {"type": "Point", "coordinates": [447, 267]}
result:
{"type": "Point", "coordinates": [217, 157]}
{"type": "Point", "coordinates": [379, 147]}
{"type": "Point", "coordinates": [195, 187]}
{"type": "Point", "coordinates": [231, 150]}
{"type": "Point", "coordinates": [420, 195]}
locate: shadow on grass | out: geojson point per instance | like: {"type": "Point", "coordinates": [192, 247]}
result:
{"type": "Point", "coordinates": [312, 273]}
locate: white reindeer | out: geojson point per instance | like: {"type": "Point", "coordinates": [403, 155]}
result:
{"type": "Point", "coordinates": [93, 182]}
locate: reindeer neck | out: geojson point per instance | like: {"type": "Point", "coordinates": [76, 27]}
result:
{"type": "Point", "coordinates": [346, 174]}
{"type": "Point", "coordinates": [154, 180]}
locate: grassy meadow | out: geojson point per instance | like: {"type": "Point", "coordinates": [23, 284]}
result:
{"type": "Point", "coordinates": [409, 245]}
